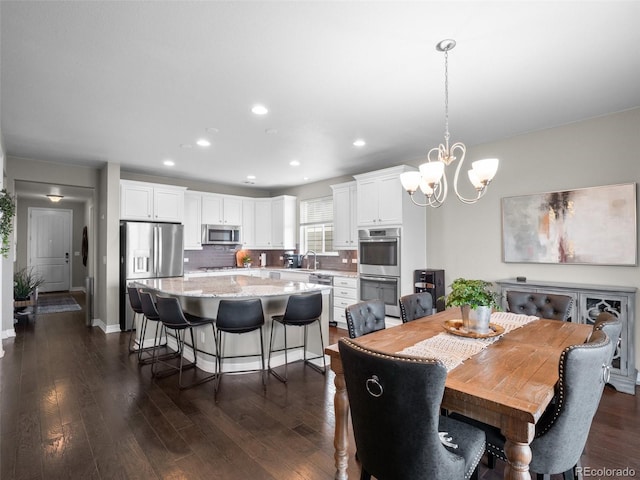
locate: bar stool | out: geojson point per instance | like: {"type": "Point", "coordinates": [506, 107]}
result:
{"type": "Point", "coordinates": [238, 317]}
{"type": "Point", "coordinates": [151, 314]}
{"type": "Point", "coordinates": [301, 311]}
{"type": "Point", "coordinates": [135, 336]}
{"type": "Point", "coordinates": [174, 318]}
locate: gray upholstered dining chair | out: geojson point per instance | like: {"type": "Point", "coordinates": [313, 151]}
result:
{"type": "Point", "coordinates": [544, 305]}
{"type": "Point", "coordinates": [612, 326]}
{"type": "Point", "coordinates": [415, 305]}
{"type": "Point", "coordinates": [394, 442]}
{"type": "Point", "coordinates": [365, 317]}
{"type": "Point", "coordinates": [562, 431]}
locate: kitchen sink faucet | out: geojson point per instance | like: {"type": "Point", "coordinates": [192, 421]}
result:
{"type": "Point", "coordinates": [315, 263]}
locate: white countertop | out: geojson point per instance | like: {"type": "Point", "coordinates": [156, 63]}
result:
{"type": "Point", "coordinates": [249, 271]}
{"type": "Point", "coordinates": [228, 286]}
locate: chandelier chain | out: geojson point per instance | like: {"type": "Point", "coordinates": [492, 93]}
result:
{"type": "Point", "coordinates": [446, 97]}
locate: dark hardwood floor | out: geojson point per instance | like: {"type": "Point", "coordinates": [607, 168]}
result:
{"type": "Point", "coordinates": [75, 404]}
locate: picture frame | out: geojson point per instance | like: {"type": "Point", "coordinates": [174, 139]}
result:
{"type": "Point", "coordinates": [589, 226]}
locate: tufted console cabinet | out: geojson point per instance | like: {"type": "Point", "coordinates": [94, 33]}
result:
{"type": "Point", "coordinates": [588, 302]}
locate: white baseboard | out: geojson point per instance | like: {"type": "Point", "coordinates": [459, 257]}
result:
{"type": "Point", "coordinates": [8, 333]}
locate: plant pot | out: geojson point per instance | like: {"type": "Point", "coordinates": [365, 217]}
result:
{"type": "Point", "coordinates": [476, 319]}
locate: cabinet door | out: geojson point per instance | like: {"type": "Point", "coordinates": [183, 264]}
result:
{"type": "Point", "coordinates": [232, 211]}
{"type": "Point", "coordinates": [212, 209]}
{"type": "Point", "coordinates": [390, 200]}
{"type": "Point", "coordinates": [168, 204]}
{"type": "Point", "coordinates": [342, 219]}
{"type": "Point", "coordinates": [263, 223]}
{"type": "Point", "coordinates": [136, 202]}
{"type": "Point", "coordinates": [248, 233]}
{"type": "Point", "coordinates": [192, 221]}
{"type": "Point", "coordinates": [367, 208]}
{"type": "Point", "coordinates": [277, 223]}
{"type": "Point", "coordinates": [591, 305]}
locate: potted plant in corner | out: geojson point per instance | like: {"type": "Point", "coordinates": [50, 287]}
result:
{"type": "Point", "coordinates": [25, 286]}
{"type": "Point", "coordinates": [476, 301]}
{"type": "Point", "coordinates": [7, 212]}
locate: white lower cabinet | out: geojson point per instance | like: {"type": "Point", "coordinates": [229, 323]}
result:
{"type": "Point", "coordinates": [345, 293]}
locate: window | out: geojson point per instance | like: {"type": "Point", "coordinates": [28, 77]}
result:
{"type": "Point", "coordinates": [316, 225]}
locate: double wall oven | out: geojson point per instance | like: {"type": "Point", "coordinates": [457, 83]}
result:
{"type": "Point", "coordinates": [379, 267]}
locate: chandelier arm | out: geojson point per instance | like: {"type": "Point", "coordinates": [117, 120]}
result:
{"type": "Point", "coordinates": [430, 203]}
{"type": "Point", "coordinates": [460, 147]}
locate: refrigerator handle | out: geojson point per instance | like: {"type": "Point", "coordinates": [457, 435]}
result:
{"type": "Point", "coordinates": [159, 239]}
{"type": "Point", "coordinates": [156, 256]}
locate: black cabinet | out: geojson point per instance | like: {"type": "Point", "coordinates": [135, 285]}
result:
{"type": "Point", "coordinates": [431, 281]}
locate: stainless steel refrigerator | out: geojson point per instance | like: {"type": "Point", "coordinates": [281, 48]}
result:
{"type": "Point", "coordinates": [147, 250]}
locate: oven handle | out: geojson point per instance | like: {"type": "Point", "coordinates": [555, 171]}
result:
{"type": "Point", "coordinates": [379, 240]}
{"type": "Point", "coordinates": [379, 279]}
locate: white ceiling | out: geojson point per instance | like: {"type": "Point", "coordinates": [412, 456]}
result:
{"type": "Point", "coordinates": [129, 82]}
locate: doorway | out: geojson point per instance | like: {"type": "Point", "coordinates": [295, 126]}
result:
{"type": "Point", "coordinates": [49, 247]}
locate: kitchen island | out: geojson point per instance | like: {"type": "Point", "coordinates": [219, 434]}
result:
{"type": "Point", "coordinates": [201, 296]}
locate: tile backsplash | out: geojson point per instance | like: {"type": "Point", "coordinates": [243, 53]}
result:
{"type": "Point", "coordinates": [223, 256]}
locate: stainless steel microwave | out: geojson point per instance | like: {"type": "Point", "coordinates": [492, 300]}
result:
{"type": "Point", "coordinates": [220, 235]}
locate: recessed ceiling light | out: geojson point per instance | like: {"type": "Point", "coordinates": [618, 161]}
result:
{"type": "Point", "coordinates": [359, 143]}
{"type": "Point", "coordinates": [259, 110]}
{"type": "Point", "coordinates": [186, 145]}
{"type": "Point", "coordinates": [55, 198]}
{"type": "Point", "coordinates": [271, 131]}
{"type": "Point", "coordinates": [203, 142]}
{"type": "Point", "coordinates": [294, 163]}
{"type": "Point", "coordinates": [212, 130]}
{"type": "Point", "coordinates": [305, 178]}
{"type": "Point", "coordinates": [169, 163]}
{"type": "Point", "coordinates": [251, 177]}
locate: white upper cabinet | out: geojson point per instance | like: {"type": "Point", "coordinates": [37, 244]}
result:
{"type": "Point", "coordinates": [262, 230]}
{"type": "Point", "coordinates": [379, 197]}
{"type": "Point", "coordinates": [345, 228]}
{"type": "Point", "coordinates": [151, 202]}
{"type": "Point", "coordinates": [248, 233]}
{"type": "Point", "coordinates": [192, 221]}
{"type": "Point", "coordinates": [275, 223]}
{"type": "Point", "coordinates": [221, 210]}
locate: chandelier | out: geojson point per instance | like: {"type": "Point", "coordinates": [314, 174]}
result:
{"type": "Point", "coordinates": [431, 178]}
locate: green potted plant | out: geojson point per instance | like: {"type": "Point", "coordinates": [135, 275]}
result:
{"type": "Point", "coordinates": [476, 301]}
{"type": "Point", "coordinates": [25, 283]}
{"type": "Point", "coordinates": [7, 212]}
{"type": "Point", "coordinates": [246, 261]}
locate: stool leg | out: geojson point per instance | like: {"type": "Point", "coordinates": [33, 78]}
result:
{"type": "Point", "coordinates": [262, 373]}
{"type": "Point", "coordinates": [132, 334]}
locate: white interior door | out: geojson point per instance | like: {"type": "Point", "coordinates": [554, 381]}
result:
{"type": "Point", "coordinates": [50, 246]}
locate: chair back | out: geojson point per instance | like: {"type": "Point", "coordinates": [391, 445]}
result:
{"type": "Point", "coordinates": [240, 316]}
{"type": "Point", "coordinates": [612, 326]}
{"type": "Point", "coordinates": [148, 306]}
{"type": "Point", "coordinates": [303, 309]}
{"type": "Point", "coordinates": [415, 305]}
{"type": "Point", "coordinates": [134, 299]}
{"type": "Point", "coordinates": [562, 432]}
{"type": "Point", "coordinates": [544, 305]}
{"type": "Point", "coordinates": [365, 317]}
{"type": "Point", "coordinates": [170, 312]}
{"type": "Point", "coordinates": [395, 410]}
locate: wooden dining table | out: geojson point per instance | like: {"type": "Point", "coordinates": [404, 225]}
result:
{"type": "Point", "coordinates": [508, 384]}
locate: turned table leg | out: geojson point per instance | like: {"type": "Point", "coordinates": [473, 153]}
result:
{"type": "Point", "coordinates": [519, 456]}
{"type": "Point", "coordinates": [341, 406]}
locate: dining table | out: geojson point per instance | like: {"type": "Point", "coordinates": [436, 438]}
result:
{"type": "Point", "coordinates": [508, 384]}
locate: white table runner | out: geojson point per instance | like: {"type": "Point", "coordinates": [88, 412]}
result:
{"type": "Point", "coordinates": [453, 350]}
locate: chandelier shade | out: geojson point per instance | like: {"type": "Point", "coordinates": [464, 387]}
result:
{"type": "Point", "coordinates": [431, 177]}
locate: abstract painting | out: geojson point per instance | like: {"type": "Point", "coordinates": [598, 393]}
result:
{"type": "Point", "coordinates": [594, 226]}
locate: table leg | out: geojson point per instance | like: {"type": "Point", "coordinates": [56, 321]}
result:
{"type": "Point", "coordinates": [519, 457]}
{"type": "Point", "coordinates": [341, 406]}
